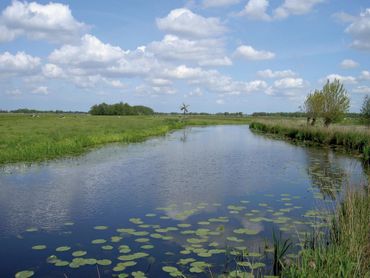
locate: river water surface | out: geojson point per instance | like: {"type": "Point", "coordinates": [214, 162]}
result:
{"type": "Point", "coordinates": [195, 200]}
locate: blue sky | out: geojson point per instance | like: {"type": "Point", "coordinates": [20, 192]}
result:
{"type": "Point", "coordinates": [216, 55]}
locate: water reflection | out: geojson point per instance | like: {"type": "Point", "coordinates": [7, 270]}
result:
{"type": "Point", "coordinates": [327, 174]}
{"type": "Point", "coordinates": [193, 174]}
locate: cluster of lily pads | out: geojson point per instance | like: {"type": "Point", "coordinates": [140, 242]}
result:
{"type": "Point", "coordinates": [200, 242]}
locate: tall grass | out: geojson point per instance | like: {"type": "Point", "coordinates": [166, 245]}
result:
{"type": "Point", "coordinates": [345, 251]}
{"type": "Point", "coordinates": [352, 138]}
{"type": "Point", "coordinates": [26, 138]}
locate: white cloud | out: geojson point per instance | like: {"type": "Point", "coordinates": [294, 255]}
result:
{"type": "Point", "coordinates": [349, 64]}
{"type": "Point", "coordinates": [198, 51]}
{"type": "Point", "coordinates": [268, 73]}
{"type": "Point", "coordinates": [249, 53]}
{"type": "Point", "coordinates": [289, 83]}
{"type": "Point", "coordinates": [90, 51]}
{"type": "Point", "coordinates": [52, 22]}
{"type": "Point", "coordinates": [365, 75]}
{"type": "Point", "coordinates": [342, 78]}
{"type": "Point", "coordinates": [197, 92]}
{"type": "Point", "coordinates": [295, 7]}
{"type": "Point", "coordinates": [219, 3]}
{"type": "Point", "coordinates": [359, 29]}
{"type": "Point", "coordinates": [159, 82]}
{"type": "Point", "coordinates": [256, 9]}
{"type": "Point", "coordinates": [52, 71]}
{"type": "Point", "coordinates": [220, 101]}
{"type": "Point", "coordinates": [20, 63]}
{"type": "Point", "coordinates": [184, 22]}
{"type": "Point", "coordinates": [41, 90]}
{"type": "Point", "coordinates": [183, 72]}
{"type": "Point", "coordinates": [362, 90]}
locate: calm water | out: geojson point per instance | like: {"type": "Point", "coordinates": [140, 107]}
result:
{"type": "Point", "coordinates": [233, 185]}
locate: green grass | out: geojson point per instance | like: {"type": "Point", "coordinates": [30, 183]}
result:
{"type": "Point", "coordinates": [345, 251]}
{"type": "Point", "coordinates": [351, 137]}
{"type": "Point", "coordinates": [26, 139]}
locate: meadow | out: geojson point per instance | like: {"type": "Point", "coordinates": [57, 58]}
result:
{"type": "Point", "coordinates": [25, 138]}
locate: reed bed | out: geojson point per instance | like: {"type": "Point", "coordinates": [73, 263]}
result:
{"type": "Point", "coordinates": [352, 137]}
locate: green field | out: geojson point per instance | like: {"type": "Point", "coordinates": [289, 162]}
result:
{"type": "Point", "coordinates": [25, 138]}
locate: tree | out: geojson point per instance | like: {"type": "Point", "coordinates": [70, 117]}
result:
{"type": "Point", "coordinates": [184, 108]}
{"type": "Point", "coordinates": [365, 110]}
{"type": "Point", "coordinates": [313, 106]}
{"type": "Point", "coordinates": [335, 102]}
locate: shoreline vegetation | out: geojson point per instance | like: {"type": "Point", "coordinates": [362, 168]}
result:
{"type": "Point", "coordinates": [344, 250]}
{"type": "Point", "coordinates": [41, 137]}
{"type": "Point", "coordinates": [353, 138]}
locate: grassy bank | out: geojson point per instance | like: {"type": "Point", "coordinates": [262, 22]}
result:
{"type": "Point", "coordinates": [26, 138]}
{"type": "Point", "coordinates": [351, 137]}
{"type": "Point", "coordinates": [345, 250]}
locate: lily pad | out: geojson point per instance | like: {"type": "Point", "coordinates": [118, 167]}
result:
{"type": "Point", "coordinates": [24, 274]}
{"type": "Point", "coordinates": [101, 228]}
{"type": "Point", "coordinates": [98, 241]}
{"type": "Point", "coordinates": [147, 246]}
{"type": "Point", "coordinates": [104, 262]}
{"type": "Point", "coordinates": [63, 248]}
{"type": "Point", "coordinates": [39, 247]}
{"type": "Point", "coordinates": [107, 247]}
{"type": "Point", "coordinates": [79, 253]}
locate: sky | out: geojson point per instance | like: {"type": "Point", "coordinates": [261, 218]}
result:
{"type": "Point", "coordinates": [215, 55]}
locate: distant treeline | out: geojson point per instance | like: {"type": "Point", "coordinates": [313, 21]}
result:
{"type": "Point", "coordinates": [120, 109]}
{"type": "Point", "coordinates": [227, 114]}
{"type": "Point", "coordinates": [34, 111]}
{"type": "Point", "coordinates": [295, 114]}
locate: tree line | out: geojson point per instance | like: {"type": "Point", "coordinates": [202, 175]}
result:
{"type": "Point", "coordinates": [120, 109]}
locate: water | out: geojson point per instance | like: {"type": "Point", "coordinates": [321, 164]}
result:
{"type": "Point", "coordinates": [191, 176]}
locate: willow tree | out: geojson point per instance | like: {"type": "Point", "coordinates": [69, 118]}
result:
{"type": "Point", "coordinates": [313, 106]}
{"type": "Point", "coordinates": [335, 102]}
{"type": "Point", "coordinates": [365, 110]}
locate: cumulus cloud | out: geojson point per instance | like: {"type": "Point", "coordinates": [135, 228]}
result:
{"type": "Point", "coordinates": [249, 53]}
{"type": "Point", "coordinates": [359, 30]}
{"type": "Point", "coordinates": [289, 83]}
{"type": "Point", "coordinates": [183, 22]}
{"type": "Point", "coordinates": [345, 79]}
{"type": "Point", "coordinates": [365, 75]}
{"type": "Point", "coordinates": [92, 61]}
{"type": "Point", "coordinates": [20, 63]}
{"type": "Point", "coordinates": [219, 3]}
{"type": "Point", "coordinates": [41, 90]}
{"type": "Point", "coordinates": [268, 73]}
{"type": "Point", "coordinates": [52, 22]}
{"type": "Point", "coordinates": [198, 51]}
{"type": "Point", "coordinates": [258, 9]}
{"type": "Point", "coordinates": [52, 71]}
{"type": "Point", "coordinates": [295, 7]}
{"type": "Point", "coordinates": [349, 64]}
{"type": "Point", "coordinates": [90, 51]}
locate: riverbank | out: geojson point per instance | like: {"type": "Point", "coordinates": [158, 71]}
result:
{"type": "Point", "coordinates": [354, 138]}
{"type": "Point", "coordinates": [345, 250]}
{"type": "Point", "coordinates": [25, 138]}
